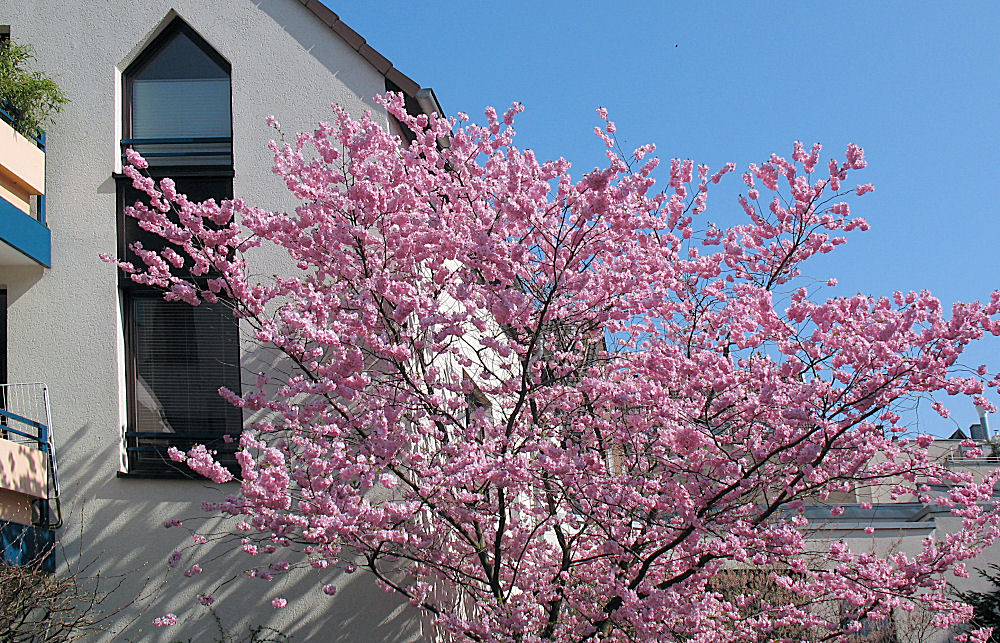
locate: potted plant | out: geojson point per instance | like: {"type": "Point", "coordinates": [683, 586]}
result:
{"type": "Point", "coordinates": [29, 97]}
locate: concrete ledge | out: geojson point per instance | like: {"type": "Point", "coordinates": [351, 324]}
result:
{"type": "Point", "coordinates": [22, 469]}
{"type": "Point", "coordinates": [19, 231]}
{"type": "Point", "coordinates": [860, 525]}
{"type": "Point", "coordinates": [22, 164]}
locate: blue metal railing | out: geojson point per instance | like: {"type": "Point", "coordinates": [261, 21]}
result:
{"type": "Point", "coordinates": [34, 399]}
{"type": "Point", "coordinates": [40, 141]}
{"type": "Point", "coordinates": [43, 431]}
{"type": "Point", "coordinates": [6, 114]}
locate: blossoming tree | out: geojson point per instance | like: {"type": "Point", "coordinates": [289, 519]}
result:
{"type": "Point", "coordinates": [554, 409]}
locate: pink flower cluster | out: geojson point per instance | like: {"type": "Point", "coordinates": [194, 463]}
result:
{"type": "Point", "coordinates": [165, 620]}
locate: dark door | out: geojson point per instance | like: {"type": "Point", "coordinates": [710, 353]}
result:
{"type": "Point", "coordinates": [3, 336]}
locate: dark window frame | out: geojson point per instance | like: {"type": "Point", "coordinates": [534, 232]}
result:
{"type": "Point", "coordinates": [3, 335]}
{"type": "Point", "coordinates": [129, 292]}
{"type": "Point", "coordinates": [134, 441]}
{"type": "Point", "coordinates": [138, 443]}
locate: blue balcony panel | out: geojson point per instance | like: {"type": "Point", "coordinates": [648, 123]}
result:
{"type": "Point", "coordinates": [26, 546]}
{"type": "Point", "coordinates": [18, 231]}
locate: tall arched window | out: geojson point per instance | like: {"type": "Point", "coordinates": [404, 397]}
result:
{"type": "Point", "coordinates": [177, 114]}
{"type": "Point", "coordinates": [177, 101]}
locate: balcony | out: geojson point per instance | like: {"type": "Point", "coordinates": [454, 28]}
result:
{"type": "Point", "coordinates": [29, 486]}
{"type": "Point", "coordinates": [25, 240]}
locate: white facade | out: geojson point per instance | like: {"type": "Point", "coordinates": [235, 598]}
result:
{"type": "Point", "coordinates": [64, 323]}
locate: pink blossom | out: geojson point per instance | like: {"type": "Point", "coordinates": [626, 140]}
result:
{"type": "Point", "coordinates": [855, 157]}
{"type": "Point", "coordinates": [135, 159]}
{"type": "Point", "coordinates": [202, 461]}
{"type": "Point", "coordinates": [165, 620]}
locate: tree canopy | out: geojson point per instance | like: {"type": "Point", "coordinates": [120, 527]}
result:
{"type": "Point", "coordinates": [547, 408]}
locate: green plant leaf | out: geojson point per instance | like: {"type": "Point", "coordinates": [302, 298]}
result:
{"type": "Point", "coordinates": [30, 97]}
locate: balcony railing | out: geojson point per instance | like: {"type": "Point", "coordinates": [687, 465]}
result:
{"type": "Point", "coordinates": [25, 238]}
{"type": "Point", "coordinates": [184, 151]}
{"type": "Point", "coordinates": [29, 482]}
{"type": "Point", "coordinates": [25, 421]}
{"type": "Point", "coordinates": [961, 458]}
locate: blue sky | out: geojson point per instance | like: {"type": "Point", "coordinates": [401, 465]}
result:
{"type": "Point", "coordinates": [916, 84]}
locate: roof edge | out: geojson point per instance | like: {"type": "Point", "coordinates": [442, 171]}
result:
{"type": "Point", "coordinates": [423, 96]}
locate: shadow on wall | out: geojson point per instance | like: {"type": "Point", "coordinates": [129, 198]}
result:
{"type": "Point", "coordinates": [322, 43]}
{"type": "Point", "coordinates": [19, 280]}
{"type": "Point", "coordinates": [360, 611]}
{"type": "Point", "coordinates": [114, 528]}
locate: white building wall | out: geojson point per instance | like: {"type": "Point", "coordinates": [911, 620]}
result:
{"type": "Point", "coordinates": [64, 323]}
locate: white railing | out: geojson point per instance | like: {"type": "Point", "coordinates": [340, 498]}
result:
{"type": "Point", "coordinates": [26, 418]}
{"type": "Point", "coordinates": [957, 456]}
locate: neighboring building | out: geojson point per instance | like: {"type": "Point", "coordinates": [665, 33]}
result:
{"type": "Point", "coordinates": [189, 84]}
{"type": "Point", "coordinates": [903, 526]}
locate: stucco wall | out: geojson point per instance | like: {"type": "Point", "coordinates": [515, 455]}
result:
{"type": "Point", "coordinates": [64, 325]}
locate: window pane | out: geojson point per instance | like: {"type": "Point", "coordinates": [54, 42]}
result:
{"type": "Point", "coordinates": [180, 108]}
{"type": "Point", "coordinates": [183, 354]}
{"type": "Point", "coordinates": [179, 355]}
{"type": "Point", "coordinates": [180, 57]}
